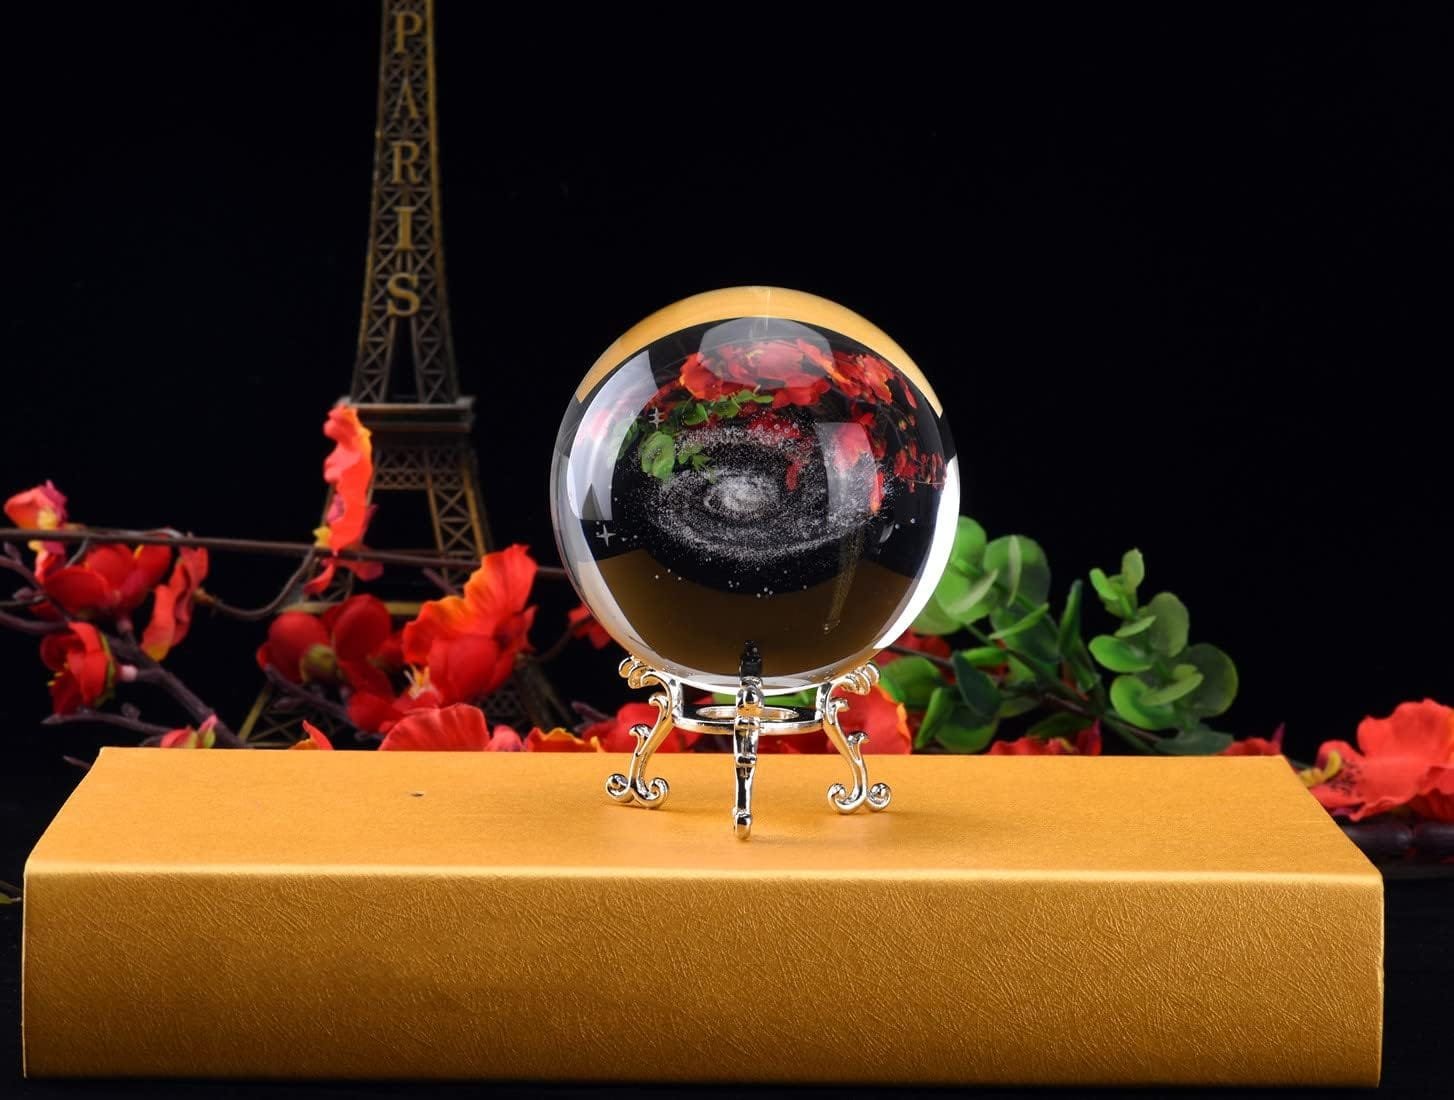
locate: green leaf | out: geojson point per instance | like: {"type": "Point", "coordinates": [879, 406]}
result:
{"type": "Point", "coordinates": [1015, 563]}
{"type": "Point", "coordinates": [695, 414]}
{"type": "Point", "coordinates": [984, 656]}
{"type": "Point", "coordinates": [1024, 570]}
{"type": "Point", "coordinates": [1109, 589]}
{"type": "Point", "coordinates": [658, 455]}
{"type": "Point", "coordinates": [969, 543]}
{"type": "Point", "coordinates": [948, 721]}
{"type": "Point", "coordinates": [979, 693]}
{"type": "Point", "coordinates": [1199, 741]}
{"type": "Point", "coordinates": [1069, 632]}
{"type": "Point", "coordinates": [1118, 655]}
{"type": "Point", "coordinates": [1136, 626]}
{"type": "Point", "coordinates": [1133, 570]}
{"type": "Point", "coordinates": [1219, 680]}
{"type": "Point", "coordinates": [911, 680]}
{"type": "Point", "coordinates": [1128, 698]}
{"type": "Point", "coordinates": [935, 620]}
{"type": "Point", "coordinates": [966, 603]}
{"type": "Point", "coordinates": [1170, 693]}
{"type": "Point", "coordinates": [756, 398]}
{"type": "Point", "coordinates": [1061, 724]}
{"type": "Point", "coordinates": [687, 450]}
{"type": "Point", "coordinates": [1086, 676]}
{"type": "Point", "coordinates": [1168, 632]}
{"type": "Point", "coordinates": [1021, 625]}
{"type": "Point", "coordinates": [1013, 705]}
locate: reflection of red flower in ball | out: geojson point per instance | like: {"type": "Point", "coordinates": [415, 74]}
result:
{"type": "Point", "coordinates": [794, 372]}
{"type": "Point", "coordinates": [862, 376]}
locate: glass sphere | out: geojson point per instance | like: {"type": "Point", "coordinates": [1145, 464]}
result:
{"type": "Point", "coordinates": [754, 465]}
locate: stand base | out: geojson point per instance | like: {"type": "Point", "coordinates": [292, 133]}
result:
{"type": "Point", "coordinates": [746, 720]}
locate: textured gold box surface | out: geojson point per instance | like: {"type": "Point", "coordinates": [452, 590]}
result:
{"type": "Point", "coordinates": [1009, 919]}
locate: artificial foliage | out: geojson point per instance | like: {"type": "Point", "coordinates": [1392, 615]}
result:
{"type": "Point", "coordinates": [1023, 657]}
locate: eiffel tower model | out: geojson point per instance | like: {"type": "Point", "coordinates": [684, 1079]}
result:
{"type": "Point", "coordinates": [420, 422]}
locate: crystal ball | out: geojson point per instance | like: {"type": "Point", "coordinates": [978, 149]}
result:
{"type": "Point", "coordinates": [754, 465]}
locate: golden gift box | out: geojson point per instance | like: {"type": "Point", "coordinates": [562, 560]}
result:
{"type": "Point", "coordinates": [1035, 920]}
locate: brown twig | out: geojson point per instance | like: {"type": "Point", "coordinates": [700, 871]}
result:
{"type": "Point", "coordinates": [267, 610]}
{"type": "Point", "coordinates": [107, 718]}
{"type": "Point", "coordinates": [909, 651]}
{"type": "Point", "coordinates": [30, 626]}
{"type": "Point", "coordinates": [149, 671]}
{"type": "Point", "coordinates": [302, 694]}
{"type": "Point", "coordinates": [250, 546]}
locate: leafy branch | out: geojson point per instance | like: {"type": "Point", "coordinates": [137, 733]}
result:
{"type": "Point", "coordinates": [1027, 660]}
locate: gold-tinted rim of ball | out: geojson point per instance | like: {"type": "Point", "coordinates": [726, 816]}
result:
{"type": "Point", "coordinates": [756, 301]}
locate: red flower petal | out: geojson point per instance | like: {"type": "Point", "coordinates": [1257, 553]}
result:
{"type": "Point", "coordinates": [885, 721]}
{"type": "Point", "coordinates": [584, 625]}
{"type": "Point", "coordinates": [560, 740]}
{"type": "Point", "coordinates": [1087, 743]}
{"type": "Point", "coordinates": [290, 638]}
{"type": "Point", "coordinates": [171, 612]}
{"type": "Point", "coordinates": [360, 626]}
{"type": "Point", "coordinates": [78, 590]}
{"type": "Point", "coordinates": [614, 734]}
{"type": "Point", "coordinates": [1436, 799]}
{"type": "Point", "coordinates": [458, 728]}
{"type": "Point", "coordinates": [349, 470]}
{"type": "Point", "coordinates": [316, 738]}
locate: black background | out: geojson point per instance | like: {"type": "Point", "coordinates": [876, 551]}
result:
{"type": "Point", "coordinates": [1180, 284]}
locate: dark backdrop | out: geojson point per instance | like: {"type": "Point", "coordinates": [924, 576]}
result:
{"type": "Point", "coordinates": [1176, 283]}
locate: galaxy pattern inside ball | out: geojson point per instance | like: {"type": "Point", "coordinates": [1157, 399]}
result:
{"type": "Point", "coordinates": [752, 479]}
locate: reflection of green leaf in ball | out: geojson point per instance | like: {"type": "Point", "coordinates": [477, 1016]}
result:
{"type": "Point", "coordinates": [658, 455]}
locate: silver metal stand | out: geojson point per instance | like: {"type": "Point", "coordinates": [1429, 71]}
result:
{"type": "Point", "coordinates": [746, 721]}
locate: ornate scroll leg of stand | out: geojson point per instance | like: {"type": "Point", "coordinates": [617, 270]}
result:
{"type": "Point", "coordinates": [634, 786]}
{"type": "Point", "coordinates": [745, 730]}
{"type": "Point", "coordinates": [860, 681]}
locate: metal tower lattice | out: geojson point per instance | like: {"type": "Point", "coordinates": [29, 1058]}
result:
{"type": "Point", "coordinates": [419, 420]}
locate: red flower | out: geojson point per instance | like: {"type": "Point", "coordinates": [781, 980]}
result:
{"type": "Point", "coordinates": [1396, 760]}
{"type": "Point", "coordinates": [349, 469]}
{"type": "Point", "coordinates": [203, 737]}
{"type": "Point", "coordinates": [298, 647]}
{"type": "Point", "coordinates": [457, 728]}
{"type": "Point", "coordinates": [1256, 746]}
{"type": "Point", "coordinates": [1087, 743]}
{"type": "Point", "coordinates": [614, 734]}
{"type": "Point", "coordinates": [584, 625]}
{"type": "Point", "coordinates": [316, 738]}
{"type": "Point", "coordinates": [171, 610]}
{"type": "Point", "coordinates": [931, 644]}
{"type": "Point", "coordinates": [354, 640]}
{"type": "Point", "coordinates": [876, 714]}
{"type": "Point", "coordinates": [81, 661]}
{"type": "Point", "coordinates": [468, 644]}
{"type": "Point", "coordinates": [560, 740]}
{"type": "Point", "coordinates": [43, 508]}
{"type": "Point", "coordinates": [109, 582]}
